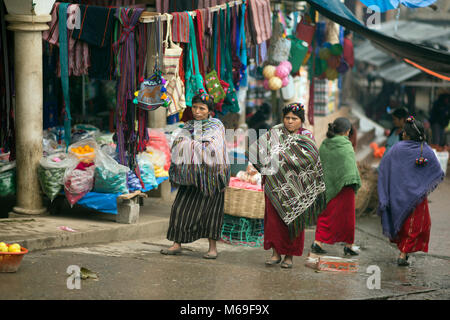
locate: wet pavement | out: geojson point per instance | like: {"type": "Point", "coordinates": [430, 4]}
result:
{"type": "Point", "coordinates": [136, 270]}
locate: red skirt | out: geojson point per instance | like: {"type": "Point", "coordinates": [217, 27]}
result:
{"type": "Point", "coordinates": [276, 234]}
{"type": "Point", "coordinates": [415, 234]}
{"type": "Point", "coordinates": [337, 222]}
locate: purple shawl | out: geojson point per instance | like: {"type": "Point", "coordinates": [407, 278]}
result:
{"type": "Point", "coordinates": [402, 185]}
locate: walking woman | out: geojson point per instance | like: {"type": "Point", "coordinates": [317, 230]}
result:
{"type": "Point", "coordinates": [201, 169]}
{"type": "Point", "coordinates": [293, 183]}
{"type": "Point", "coordinates": [342, 181]}
{"type": "Point", "coordinates": [407, 174]}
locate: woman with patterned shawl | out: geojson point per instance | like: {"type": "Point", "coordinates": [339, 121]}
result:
{"type": "Point", "coordinates": [337, 222]}
{"type": "Point", "coordinates": [201, 169]}
{"type": "Point", "coordinates": [294, 188]}
{"type": "Point", "coordinates": [407, 174]}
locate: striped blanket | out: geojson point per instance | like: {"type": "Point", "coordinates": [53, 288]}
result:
{"type": "Point", "coordinates": [199, 156]}
{"type": "Point", "coordinates": [293, 176]}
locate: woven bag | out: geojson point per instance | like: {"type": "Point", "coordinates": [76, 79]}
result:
{"type": "Point", "coordinates": [172, 53]}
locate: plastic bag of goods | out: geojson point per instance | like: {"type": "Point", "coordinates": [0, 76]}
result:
{"type": "Point", "coordinates": [78, 181]}
{"type": "Point", "coordinates": [157, 157]}
{"type": "Point", "coordinates": [83, 132]}
{"type": "Point", "coordinates": [147, 170]}
{"type": "Point", "coordinates": [51, 172]}
{"type": "Point", "coordinates": [84, 150]}
{"type": "Point", "coordinates": [110, 176]}
{"type": "Point", "coordinates": [7, 179]}
{"type": "Point", "coordinates": [158, 140]}
{"type": "Point", "coordinates": [133, 181]}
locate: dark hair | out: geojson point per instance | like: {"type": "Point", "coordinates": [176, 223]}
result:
{"type": "Point", "coordinates": [340, 125]}
{"type": "Point", "coordinates": [401, 113]}
{"type": "Point", "coordinates": [414, 130]}
{"type": "Point", "coordinates": [296, 108]}
{"type": "Point", "coordinates": [201, 98]}
{"type": "Point", "coordinates": [347, 32]}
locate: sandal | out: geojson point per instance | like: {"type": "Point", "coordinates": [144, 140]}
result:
{"type": "Point", "coordinates": [272, 262]}
{"type": "Point", "coordinates": [210, 256]}
{"type": "Point", "coordinates": [286, 265]}
{"type": "Point", "coordinates": [170, 252]}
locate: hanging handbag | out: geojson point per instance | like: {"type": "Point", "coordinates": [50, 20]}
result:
{"type": "Point", "coordinates": [305, 30]}
{"type": "Point", "coordinates": [299, 49]}
{"type": "Point", "coordinates": [152, 92]}
{"type": "Point", "coordinates": [171, 62]}
{"type": "Point", "coordinates": [231, 103]}
{"type": "Point", "coordinates": [280, 46]}
{"type": "Point", "coordinates": [172, 53]}
{"type": "Point", "coordinates": [193, 77]}
{"type": "Point", "coordinates": [214, 87]}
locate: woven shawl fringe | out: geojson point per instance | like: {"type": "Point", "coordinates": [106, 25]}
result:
{"type": "Point", "coordinates": [309, 217]}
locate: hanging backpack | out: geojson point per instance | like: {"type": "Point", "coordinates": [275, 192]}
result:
{"type": "Point", "coordinates": [152, 92]}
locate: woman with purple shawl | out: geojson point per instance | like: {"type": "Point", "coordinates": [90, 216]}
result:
{"type": "Point", "coordinates": [407, 174]}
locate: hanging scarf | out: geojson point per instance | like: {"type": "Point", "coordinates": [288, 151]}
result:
{"type": "Point", "coordinates": [339, 165]}
{"type": "Point", "coordinates": [402, 185]}
{"type": "Point", "coordinates": [294, 181]}
{"type": "Point", "coordinates": [64, 62]}
{"type": "Point", "coordinates": [199, 156]}
{"type": "Point", "coordinates": [125, 50]}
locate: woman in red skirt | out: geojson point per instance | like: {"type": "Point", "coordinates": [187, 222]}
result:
{"type": "Point", "coordinates": [342, 181]}
{"type": "Point", "coordinates": [407, 174]}
{"type": "Point", "coordinates": [293, 185]}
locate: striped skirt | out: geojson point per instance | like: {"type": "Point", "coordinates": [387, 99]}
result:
{"type": "Point", "coordinates": [195, 216]}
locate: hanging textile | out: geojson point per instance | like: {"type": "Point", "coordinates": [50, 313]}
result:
{"type": "Point", "coordinates": [126, 124]}
{"type": "Point", "coordinates": [194, 79]}
{"type": "Point", "coordinates": [7, 132]}
{"type": "Point", "coordinates": [96, 29]}
{"type": "Point", "coordinates": [242, 46]}
{"type": "Point", "coordinates": [78, 51]}
{"type": "Point", "coordinates": [259, 20]}
{"type": "Point", "coordinates": [64, 62]}
{"type": "Point", "coordinates": [180, 27]}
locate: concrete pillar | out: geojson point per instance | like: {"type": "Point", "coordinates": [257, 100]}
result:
{"type": "Point", "coordinates": [29, 108]}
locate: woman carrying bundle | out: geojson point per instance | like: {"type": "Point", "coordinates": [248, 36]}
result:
{"type": "Point", "coordinates": [342, 181]}
{"type": "Point", "coordinates": [407, 174]}
{"type": "Point", "coordinates": [201, 168]}
{"type": "Point", "coordinates": [294, 189]}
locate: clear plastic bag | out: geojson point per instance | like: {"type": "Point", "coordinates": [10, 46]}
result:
{"type": "Point", "coordinates": [84, 150]}
{"type": "Point", "coordinates": [51, 172]}
{"type": "Point", "coordinates": [8, 179]}
{"type": "Point", "coordinates": [156, 157]}
{"type": "Point", "coordinates": [110, 176]}
{"type": "Point", "coordinates": [147, 170]}
{"type": "Point", "coordinates": [78, 181]}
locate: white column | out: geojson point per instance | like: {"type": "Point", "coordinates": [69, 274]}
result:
{"type": "Point", "coordinates": [29, 108]}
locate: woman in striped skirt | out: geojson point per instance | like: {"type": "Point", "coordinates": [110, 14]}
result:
{"type": "Point", "coordinates": [200, 167]}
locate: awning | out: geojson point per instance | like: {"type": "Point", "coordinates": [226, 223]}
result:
{"type": "Point", "coordinates": [432, 59]}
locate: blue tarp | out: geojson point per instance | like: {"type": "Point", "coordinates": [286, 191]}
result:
{"type": "Point", "coordinates": [107, 202]}
{"type": "Point", "coordinates": [435, 60]}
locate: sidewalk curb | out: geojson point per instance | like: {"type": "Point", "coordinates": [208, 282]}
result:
{"type": "Point", "coordinates": [154, 228]}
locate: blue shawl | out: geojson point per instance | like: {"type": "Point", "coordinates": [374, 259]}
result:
{"type": "Point", "coordinates": [402, 185]}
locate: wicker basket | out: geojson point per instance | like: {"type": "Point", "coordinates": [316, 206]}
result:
{"type": "Point", "coordinates": [244, 203]}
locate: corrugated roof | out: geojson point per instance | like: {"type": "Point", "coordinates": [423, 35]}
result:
{"type": "Point", "coordinates": [416, 32]}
